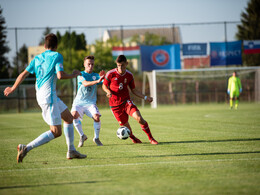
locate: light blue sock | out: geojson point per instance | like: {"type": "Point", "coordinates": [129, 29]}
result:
{"type": "Point", "coordinates": [42, 139]}
{"type": "Point", "coordinates": [69, 135]}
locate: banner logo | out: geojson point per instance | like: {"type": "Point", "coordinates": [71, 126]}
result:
{"type": "Point", "coordinates": [160, 57]}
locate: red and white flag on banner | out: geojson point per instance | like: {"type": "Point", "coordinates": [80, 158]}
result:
{"type": "Point", "coordinates": [251, 46]}
{"type": "Point", "coordinates": [129, 52]}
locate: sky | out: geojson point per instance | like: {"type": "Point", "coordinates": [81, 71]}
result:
{"type": "Point", "coordinates": [78, 13]}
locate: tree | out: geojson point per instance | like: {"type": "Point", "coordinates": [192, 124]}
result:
{"type": "Point", "coordinates": [103, 54]}
{"type": "Point", "coordinates": [4, 63]}
{"type": "Point", "coordinates": [22, 57]}
{"type": "Point", "coordinates": [73, 49]}
{"type": "Point", "coordinates": [250, 30]}
{"type": "Point", "coordinates": [149, 39]}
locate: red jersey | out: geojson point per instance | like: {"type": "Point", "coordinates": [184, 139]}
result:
{"type": "Point", "coordinates": [118, 85]}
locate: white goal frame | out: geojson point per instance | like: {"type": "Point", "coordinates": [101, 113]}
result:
{"type": "Point", "coordinates": [153, 86]}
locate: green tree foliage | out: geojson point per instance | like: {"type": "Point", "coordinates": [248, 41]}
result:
{"type": "Point", "coordinates": [149, 39]}
{"type": "Point", "coordinates": [4, 63]}
{"type": "Point", "coordinates": [250, 30]}
{"type": "Point", "coordinates": [22, 63]}
{"type": "Point", "coordinates": [103, 54]}
{"type": "Point", "coordinates": [73, 49]}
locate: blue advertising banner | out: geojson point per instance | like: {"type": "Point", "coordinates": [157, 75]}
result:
{"type": "Point", "coordinates": [160, 57]}
{"type": "Point", "coordinates": [226, 53]}
{"type": "Point", "coordinates": [191, 49]}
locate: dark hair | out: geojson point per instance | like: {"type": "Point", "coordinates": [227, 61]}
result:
{"type": "Point", "coordinates": [121, 58]}
{"type": "Point", "coordinates": [89, 57]}
{"type": "Point", "coordinates": [51, 41]}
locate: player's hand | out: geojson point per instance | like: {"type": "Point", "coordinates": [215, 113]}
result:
{"type": "Point", "coordinates": [109, 95]}
{"type": "Point", "coordinates": [101, 78]}
{"type": "Point", "coordinates": [8, 90]}
{"type": "Point", "coordinates": [102, 72]}
{"type": "Point", "coordinates": [149, 99]}
{"type": "Point", "coordinates": [76, 73]}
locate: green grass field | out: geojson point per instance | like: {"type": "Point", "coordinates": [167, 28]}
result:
{"type": "Point", "coordinates": [204, 149]}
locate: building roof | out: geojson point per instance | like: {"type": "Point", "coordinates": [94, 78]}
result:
{"type": "Point", "coordinates": [172, 35]}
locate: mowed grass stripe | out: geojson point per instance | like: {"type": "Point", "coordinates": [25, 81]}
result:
{"type": "Point", "coordinates": [134, 164]}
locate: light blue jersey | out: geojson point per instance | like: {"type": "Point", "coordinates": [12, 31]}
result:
{"type": "Point", "coordinates": [86, 95]}
{"type": "Point", "coordinates": [45, 66]}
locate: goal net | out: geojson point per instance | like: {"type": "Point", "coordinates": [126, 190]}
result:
{"type": "Point", "coordinates": [200, 85]}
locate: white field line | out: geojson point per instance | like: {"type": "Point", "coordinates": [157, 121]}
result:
{"type": "Point", "coordinates": [130, 164]}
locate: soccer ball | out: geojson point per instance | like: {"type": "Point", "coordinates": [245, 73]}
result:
{"type": "Point", "coordinates": [123, 132]}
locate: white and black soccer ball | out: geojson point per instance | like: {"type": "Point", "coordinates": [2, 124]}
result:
{"type": "Point", "coordinates": [123, 132]}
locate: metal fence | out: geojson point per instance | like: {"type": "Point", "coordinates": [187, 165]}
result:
{"type": "Point", "coordinates": [189, 33]}
{"type": "Point", "coordinates": [24, 98]}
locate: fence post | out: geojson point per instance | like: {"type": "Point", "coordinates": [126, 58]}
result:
{"type": "Point", "coordinates": [17, 66]}
{"type": "Point", "coordinates": [122, 34]}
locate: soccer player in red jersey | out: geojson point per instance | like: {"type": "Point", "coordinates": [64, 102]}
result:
{"type": "Point", "coordinates": [116, 85]}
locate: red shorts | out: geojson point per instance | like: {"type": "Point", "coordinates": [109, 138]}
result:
{"type": "Point", "coordinates": [122, 112]}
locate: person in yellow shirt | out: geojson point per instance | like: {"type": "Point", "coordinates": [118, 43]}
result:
{"type": "Point", "coordinates": [234, 89]}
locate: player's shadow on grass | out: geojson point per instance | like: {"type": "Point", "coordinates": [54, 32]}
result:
{"type": "Point", "coordinates": [209, 141]}
{"type": "Point", "coordinates": [50, 184]}
{"type": "Point", "coordinates": [208, 154]}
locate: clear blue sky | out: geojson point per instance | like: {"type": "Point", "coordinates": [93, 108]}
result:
{"type": "Point", "coordinates": [59, 13]}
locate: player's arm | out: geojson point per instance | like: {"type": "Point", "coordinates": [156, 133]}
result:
{"type": "Point", "coordinates": [105, 86]}
{"type": "Point", "coordinates": [90, 83]}
{"type": "Point", "coordinates": [229, 83]}
{"type": "Point", "coordinates": [18, 81]}
{"type": "Point", "coordinates": [141, 95]}
{"type": "Point", "coordinates": [240, 86]}
{"type": "Point", "coordinates": [64, 75]}
{"type": "Point", "coordinates": [107, 90]}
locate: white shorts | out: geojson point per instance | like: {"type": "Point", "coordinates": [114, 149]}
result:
{"type": "Point", "coordinates": [89, 110]}
{"type": "Point", "coordinates": [51, 113]}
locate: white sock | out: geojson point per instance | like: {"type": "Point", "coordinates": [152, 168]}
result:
{"type": "Point", "coordinates": [69, 135]}
{"type": "Point", "coordinates": [78, 126]}
{"type": "Point", "coordinates": [42, 139]}
{"type": "Point", "coordinates": [97, 126]}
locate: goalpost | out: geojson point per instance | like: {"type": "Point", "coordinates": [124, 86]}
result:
{"type": "Point", "coordinates": [200, 85]}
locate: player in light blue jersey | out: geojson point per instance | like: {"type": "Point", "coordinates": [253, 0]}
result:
{"type": "Point", "coordinates": [85, 100]}
{"type": "Point", "coordinates": [48, 67]}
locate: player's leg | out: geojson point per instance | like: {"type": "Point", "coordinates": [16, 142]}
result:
{"type": "Point", "coordinates": [231, 99]}
{"type": "Point", "coordinates": [133, 111]}
{"type": "Point", "coordinates": [77, 114]}
{"type": "Point", "coordinates": [94, 113]}
{"type": "Point", "coordinates": [51, 115]}
{"type": "Point", "coordinates": [122, 118]}
{"type": "Point", "coordinates": [97, 127]}
{"type": "Point", "coordinates": [144, 125]}
{"type": "Point", "coordinates": [132, 137]}
{"type": "Point", "coordinates": [69, 135]}
{"type": "Point", "coordinates": [236, 99]}
{"type": "Point", "coordinates": [77, 122]}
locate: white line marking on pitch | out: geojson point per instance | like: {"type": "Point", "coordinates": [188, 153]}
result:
{"type": "Point", "coordinates": [128, 164]}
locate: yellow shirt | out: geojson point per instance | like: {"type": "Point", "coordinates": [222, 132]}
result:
{"type": "Point", "coordinates": [234, 84]}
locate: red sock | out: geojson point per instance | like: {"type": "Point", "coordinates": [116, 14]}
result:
{"type": "Point", "coordinates": [146, 129]}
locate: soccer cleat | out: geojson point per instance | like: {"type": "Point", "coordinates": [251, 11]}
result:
{"type": "Point", "coordinates": [75, 154]}
{"type": "Point", "coordinates": [136, 140]}
{"type": "Point", "coordinates": [21, 152]}
{"type": "Point", "coordinates": [153, 141]}
{"type": "Point", "coordinates": [97, 141]}
{"type": "Point", "coordinates": [82, 139]}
